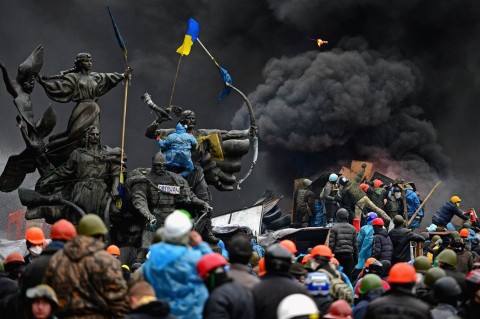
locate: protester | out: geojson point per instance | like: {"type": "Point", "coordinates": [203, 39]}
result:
{"type": "Point", "coordinates": [318, 286]}
{"type": "Point", "coordinates": [413, 205]}
{"type": "Point", "coordinates": [382, 245]}
{"type": "Point", "coordinates": [14, 265]}
{"type": "Point", "coordinates": [365, 241]}
{"type": "Point", "coordinates": [446, 212]}
{"type": "Point", "coordinates": [401, 237]}
{"type": "Point", "coordinates": [34, 239]}
{"type": "Point", "coordinates": [329, 197]}
{"type": "Point", "coordinates": [144, 304]}
{"type": "Point", "coordinates": [227, 299]}
{"type": "Point", "coordinates": [447, 293]}
{"type": "Point", "coordinates": [88, 280]}
{"type": "Point", "coordinates": [343, 242]}
{"type": "Point", "coordinates": [371, 288]}
{"type": "Point", "coordinates": [340, 309]}
{"type": "Point", "coordinates": [471, 308]}
{"type": "Point", "coordinates": [41, 302]}
{"type": "Point", "coordinates": [114, 251]}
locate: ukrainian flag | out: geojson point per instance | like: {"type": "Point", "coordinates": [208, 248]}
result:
{"type": "Point", "coordinates": [190, 37]}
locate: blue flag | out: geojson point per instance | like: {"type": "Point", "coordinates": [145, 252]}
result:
{"type": "Point", "coordinates": [226, 78]}
{"type": "Point", "coordinates": [120, 40]}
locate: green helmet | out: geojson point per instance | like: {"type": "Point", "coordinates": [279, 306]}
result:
{"type": "Point", "coordinates": [422, 264]}
{"type": "Point", "coordinates": [454, 234]}
{"type": "Point", "coordinates": [398, 220]}
{"type": "Point", "coordinates": [91, 225]}
{"type": "Point", "coordinates": [448, 256]}
{"type": "Point", "coordinates": [435, 239]}
{"type": "Point", "coordinates": [433, 274]}
{"type": "Point", "coordinates": [370, 282]}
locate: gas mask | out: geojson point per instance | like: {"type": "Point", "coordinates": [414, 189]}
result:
{"type": "Point", "coordinates": [35, 251]}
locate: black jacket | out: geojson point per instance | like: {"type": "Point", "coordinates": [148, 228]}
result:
{"type": "Point", "coordinates": [401, 237]}
{"type": "Point", "coordinates": [271, 291]}
{"type": "Point", "coordinates": [382, 245]}
{"type": "Point", "coordinates": [229, 301]}
{"type": "Point", "coordinates": [153, 310]}
{"type": "Point", "coordinates": [8, 296]}
{"type": "Point", "coordinates": [445, 214]}
{"type": "Point", "coordinates": [343, 236]}
{"type": "Point", "coordinates": [397, 304]}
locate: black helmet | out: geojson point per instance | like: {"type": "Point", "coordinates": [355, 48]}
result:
{"type": "Point", "coordinates": [343, 180]}
{"type": "Point", "coordinates": [240, 249]}
{"type": "Point", "coordinates": [398, 220]}
{"type": "Point", "coordinates": [446, 290]}
{"type": "Point", "coordinates": [375, 267]}
{"type": "Point", "coordinates": [277, 259]}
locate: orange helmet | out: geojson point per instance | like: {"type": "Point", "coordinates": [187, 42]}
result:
{"type": "Point", "coordinates": [14, 257]}
{"type": "Point", "coordinates": [35, 235]}
{"type": "Point", "coordinates": [402, 273]}
{"type": "Point", "coordinates": [335, 261]}
{"type": "Point", "coordinates": [306, 258]}
{"type": "Point", "coordinates": [322, 251]}
{"type": "Point", "coordinates": [63, 230]}
{"type": "Point", "coordinates": [290, 245]}
{"type": "Point", "coordinates": [113, 250]}
{"type": "Point", "coordinates": [261, 267]}
{"type": "Point", "coordinates": [364, 187]}
{"type": "Point", "coordinates": [369, 261]}
{"type": "Point", "coordinates": [377, 183]}
{"type": "Point", "coordinates": [464, 233]}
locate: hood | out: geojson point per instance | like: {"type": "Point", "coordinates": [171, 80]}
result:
{"type": "Point", "coordinates": [180, 128]}
{"type": "Point", "coordinates": [380, 230]}
{"type": "Point", "coordinates": [342, 215]}
{"type": "Point", "coordinates": [163, 254]}
{"type": "Point", "coordinates": [82, 246]}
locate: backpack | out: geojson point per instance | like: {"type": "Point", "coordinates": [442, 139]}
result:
{"type": "Point", "coordinates": [338, 288]}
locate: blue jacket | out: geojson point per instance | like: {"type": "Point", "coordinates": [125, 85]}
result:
{"type": "Point", "coordinates": [445, 214]}
{"type": "Point", "coordinates": [413, 203]}
{"type": "Point", "coordinates": [172, 271]}
{"type": "Point", "coordinates": [365, 244]}
{"type": "Point", "coordinates": [177, 148]}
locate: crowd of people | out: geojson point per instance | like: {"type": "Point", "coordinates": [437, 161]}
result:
{"type": "Point", "coordinates": [368, 271]}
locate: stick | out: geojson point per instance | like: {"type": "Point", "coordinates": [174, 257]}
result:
{"type": "Point", "coordinates": [204, 48]}
{"type": "Point", "coordinates": [175, 80]}
{"type": "Point", "coordinates": [123, 124]}
{"type": "Point", "coordinates": [423, 203]}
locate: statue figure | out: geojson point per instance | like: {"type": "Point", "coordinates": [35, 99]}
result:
{"type": "Point", "coordinates": [84, 87]}
{"type": "Point", "coordinates": [216, 159]}
{"type": "Point", "coordinates": [33, 157]}
{"type": "Point", "coordinates": [156, 192]}
{"type": "Point", "coordinates": [89, 178]}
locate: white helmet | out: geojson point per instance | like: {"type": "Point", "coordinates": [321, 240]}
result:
{"type": "Point", "coordinates": [177, 224]}
{"type": "Point", "coordinates": [332, 178]}
{"type": "Point", "coordinates": [296, 305]}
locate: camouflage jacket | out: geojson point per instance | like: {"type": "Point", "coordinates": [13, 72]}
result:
{"type": "Point", "coordinates": [88, 281]}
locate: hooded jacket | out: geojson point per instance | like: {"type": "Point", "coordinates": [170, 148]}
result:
{"type": "Point", "coordinates": [445, 214]}
{"type": "Point", "coordinates": [382, 245]}
{"type": "Point", "coordinates": [88, 280]}
{"type": "Point", "coordinates": [177, 148]}
{"type": "Point", "coordinates": [343, 236]}
{"type": "Point", "coordinates": [365, 244]}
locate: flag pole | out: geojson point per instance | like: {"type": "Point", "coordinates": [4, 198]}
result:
{"type": "Point", "coordinates": [175, 80]}
{"type": "Point", "coordinates": [211, 56]}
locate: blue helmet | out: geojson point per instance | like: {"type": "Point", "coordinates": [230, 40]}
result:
{"type": "Point", "coordinates": [333, 178]}
{"type": "Point", "coordinates": [371, 216]}
{"type": "Point", "coordinates": [317, 284]}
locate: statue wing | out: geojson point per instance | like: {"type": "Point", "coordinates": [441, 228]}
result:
{"type": "Point", "coordinates": [33, 64]}
{"type": "Point", "coordinates": [17, 167]}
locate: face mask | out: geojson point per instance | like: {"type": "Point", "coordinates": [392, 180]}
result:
{"type": "Point", "coordinates": [35, 251]}
{"type": "Point", "coordinates": [458, 204]}
{"type": "Point", "coordinates": [398, 195]}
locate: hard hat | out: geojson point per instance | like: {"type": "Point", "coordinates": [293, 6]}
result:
{"type": "Point", "coordinates": [322, 251]}
{"type": "Point", "coordinates": [334, 261]}
{"type": "Point", "coordinates": [42, 291]}
{"type": "Point", "coordinates": [63, 230]}
{"type": "Point", "coordinates": [455, 199]}
{"type": "Point", "coordinates": [91, 225]}
{"type": "Point", "coordinates": [208, 263]}
{"type": "Point", "coordinates": [435, 238]}
{"type": "Point", "coordinates": [254, 259]}
{"type": "Point", "coordinates": [297, 305]}
{"type": "Point", "coordinates": [446, 289]}
{"type": "Point", "coordinates": [371, 216]}
{"type": "Point", "coordinates": [432, 275]}
{"type": "Point", "coordinates": [35, 235]}
{"type": "Point", "coordinates": [306, 258]}
{"type": "Point", "coordinates": [370, 282]}
{"type": "Point", "coordinates": [369, 261]}
{"type": "Point", "coordinates": [177, 224]}
{"type": "Point", "coordinates": [126, 267]}
{"type": "Point", "coordinates": [343, 180]}
{"type": "Point", "coordinates": [398, 220]}
{"type": "Point", "coordinates": [332, 178]}
{"type": "Point", "coordinates": [473, 279]}
{"type": "Point", "coordinates": [307, 182]}
{"type": "Point", "coordinates": [290, 245]}
{"type": "Point", "coordinates": [364, 187]}
{"type": "Point", "coordinates": [261, 267]}
{"type": "Point", "coordinates": [464, 233]}
{"type": "Point", "coordinates": [377, 183]}
{"type": "Point", "coordinates": [375, 267]}
{"type": "Point", "coordinates": [113, 250]}
{"type": "Point", "coordinates": [402, 273]}
{"type": "Point", "coordinates": [340, 309]}
{"type": "Point", "coordinates": [448, 256]}
{"type": "Point", "coordinates": [318, 284]}
{"type": "Point", "coordinates": [467, 224]}
{"type": "Point", "coordinates": [14, 257]}
{"type": "Point", "coordinates": [277, 259]}
{"type": "Point", "coordinates": [422, 264]}
{"type": "Point", "coordinates": [378, 222]}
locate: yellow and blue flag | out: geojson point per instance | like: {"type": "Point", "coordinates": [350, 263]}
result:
{"type": "Point", "coordinates": [190, 37]}
{"type": "Point", "coordinates": [120, 40]}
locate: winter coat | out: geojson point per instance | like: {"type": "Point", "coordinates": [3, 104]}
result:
{"type": "Point", "coordinates": [88, 280]}
{"type": "Point", "coordinates": [172, 272]}
{"type": "Point", "coordinates": [343, 236]}
{"type": "Point", "coordinates": [365, 244]}
{"type": "Point", "coordinates": [177, 149]}
{"type": "Point", "coordinates": [229, 301]}
{"type": "Point", "coordinates": [445, 214]}
{"type": "Point", "coordinates": [382, 245]}
{"type": "Point", "coordinates": [271, 291]}
{"type": "Point", "coordinates": [413, 203]}
{"type": "Point", "coordinates": [327, 195]}
{"type": "Point", "coordinates": [465, 261]}
{"type": "Point", "coordinates": [8, 296]}
{"type": "Point", "coordinates": [242, 276]}
{"type": "Point", "coordinates": [365, 300]}
{"type": "Point", "coordinates": [397, 304]}
{"type": "Point", "coordinates": [401, 237]}
{"type": "Point", "coordinates": [444, 311]}
{"type": "Point", "coordinates": [153, 310]}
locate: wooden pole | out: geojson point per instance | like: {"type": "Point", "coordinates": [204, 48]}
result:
{"type": "Point", "coordinates": [423, 203]}
{"type": "Point", "coordinates": [123, 124]}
